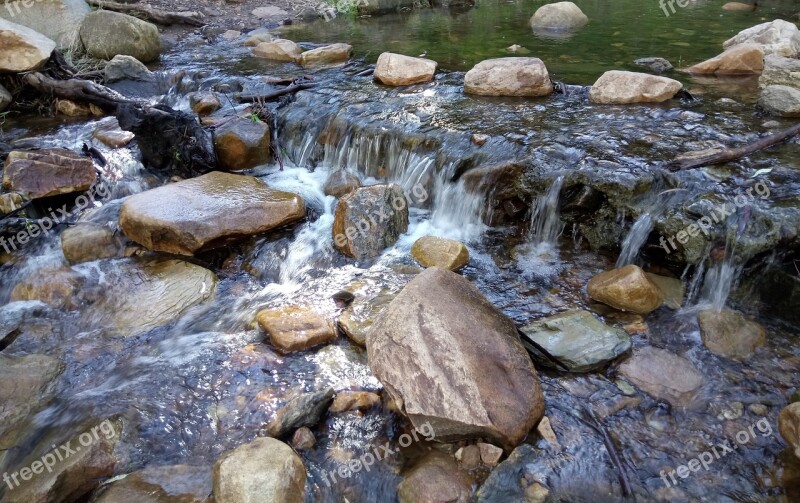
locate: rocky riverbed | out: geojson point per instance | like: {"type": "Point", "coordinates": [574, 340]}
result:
{"type": "Point", "coordinates": [259, 261]}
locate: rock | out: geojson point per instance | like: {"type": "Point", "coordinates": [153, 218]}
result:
{"type": "Point", "coordinates": [738, 6]}
{"type": "Point", "coordinates": [469, 457]}
{"type": "Point", "coordinates": [559, 16]}
{"type": "Point", "coordinates": [777, 37]}
{"type": "Point", "coordinates": [431, 251]}
{"type": "Point", "coordinates": [490, 454]}
{"type": "Point", "coordinates": [258, 36]}
{"type": "Point", "coordinates": [455, 361]}
{"type": "Point", "coordinates": [355, 400]}
{"type": "Point", "coordinates": [110, 134]}
{"type": "Point", "coordinates": [86, 242]}
{"type": "Point", "coordinates": [664, 375]}
{"type": "Point", "coordinates": [231, 34]}
{"type": "Point", "coordinates": [789, 426]}
{"type": "Point", "coordinates": [744, 59]}
{"type": "Point", "coordinates": [672, 289]}
{"type": "Point", "coordinates": [10, 202]}
{"type": "Point", "coordinates": [510, 479]}
{"type": "Point", "coordinates": [545, 430]}
{"type": "Point", "coordinates": [781, 71]}
{"type": "Point", "coordinates": [123, 67]}
{"type": "Point", "coordinates": [58, 20]}
{"type": "Point", "coordinates": [341, 182]}
{"type": "Point", "coordinates": [263, 470]}
{"type": "Point", "coordinates": [369, 219]}
{"type": "Point", "coordinates": [5, 99]}
{"type": "Point", "coordinates": [206, 212]}
{"type": "Point", "coordinates": [579, 340]}
{"type": "Point", "coordinates": [54, 287]}
{"type": "Point", "coordinates": [499, 180]}
{"type": "Point", "coordinates": [72, 109]}
{"type": "Point", "coordinates": [626, 289]}
{"type": "Point", "coordinates": [536, 493]}
{"type": "Point", "coordinates": [509, 77]}
{"type": "Point", "coordinates": [77, 475]}
{"type": "Point", "coordinates": [783, 101]}
{"type": "Point", "coordinates": [160, 484]}
{"type": "Point", "coordinates": [730, 334]}
{"type": "Point", "coordinates": [658, 65]}
{"type": "Point", "coordinates": [619, 87]}
{"type": "Point", "coordinates": [303, 439]}
{"type": "Point", "coordinates": [479, 139]}
{"type": "Point", "coordinates": [359, 317]}
{"type": "Point", "coordinates": [333, 54]}
{"type": "Point", "coordinates": [295, 328]}
{"type": "Point", "coordinates": [145, 294]}
{"type": "Point", "coordinates": [268, 12]}
{"type": "Point", "coordinates": [278, 50]}
{"type": "Point", "coordinates": [399, 70]}
{"type": "Point", "coordinates": [435, 479]}
{"type": "Point", "coordinates": [305, 409]}
{"type": "Point", "coordinates": [106, 34]}
{"type": "Point", "coordinates": [23, 49]}
{"type": "Point", "coordinates": [242, 143]}
{"type": "Point", "coordinates": [208, 103]}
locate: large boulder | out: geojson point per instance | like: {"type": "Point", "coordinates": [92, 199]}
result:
{"type": "Point", "coordinates": [559, 16]}
{"type": "Point", "coordinates": [399, 70]}
{"type": "Point", "coordinates": [263, 470]}
{"type": "Point", "coordinates": [744, 59]}
{"type": "Point", "coordinates": [729, 334]}
{"type": "Point", "coordinates": [776, 37]}
{"type": "Point", "coordinates": [106, 34]}
{"type": "Point", "coordinates": [334, 54]}
{"type": "Point", "coordinates": [620, 87]}
{"type": "Point", "coordinates": [242, 143]}
{"type": "Point", "coordinates": [664, 375]}
{"type": "Point", "coordinates": [783, 101]}
{"type": "Point", "coordinates": [627, 289]}
{"type": "Point", "coordinates": [432, 251]}
{"type": "Point", "coordinates": [160, 484]}
{"type": "Point", "coordinates": [293, 328]}
{"type": "Point", "coordinates": [278, 50]}
{"type": "Point", "coordinates": [434, 479]}
{"type": "Point", "coordinates": [508, 77]}
{"type": "Point", "coordinates": [206, 212]}
{"type": "Point", "coordinates": [58, 20]}
{"type": "Point", "coordinates": [780, 71]}
{"type": "Point", "coordinates": [789, 426]}
{"type": "Point", "coordinates": [578, 340]}
{"type": "Point", "coordinates": [370, 219]}
{"type": "Point", "coordinates": [22, 49]}
{"type": "Point", "coordinates": [450, 358]}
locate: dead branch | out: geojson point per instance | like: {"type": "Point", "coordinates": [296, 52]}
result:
{"type": "Point", "coordinates": [148, 13]}
{"type": "Point", "coordinates": [731, 154]}
{"type": "Point", "coordinates": [82, 91]}
{"type": "Point", "coordinates": [273, 95]}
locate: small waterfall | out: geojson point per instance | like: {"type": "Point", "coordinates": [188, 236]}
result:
{"type": "Point", "coordinates": [711, 286]}
{"type": "Point", "coordinates": [635, 239]}
{"type": "Point", "coordinates": [546, 225]}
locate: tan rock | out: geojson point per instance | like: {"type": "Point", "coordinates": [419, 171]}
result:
{"type": "Point", "coordinates": [242, 144]}
{"type": "Point", "coordinates": [399, 70]}
{"type": "Point", "coordinates": [10, 202]}
{"type": "Point", "coordinates": [160, 484]}
{"type": "Point", "coordinates": [545, 430]}
{"type": "Point", "coordinates": [355, 400]}
{"type": "Point", "coordinates": [775, 37]}
{"type": "Point", "coordinates": [469, 457]}
{"type": "Point", "coordinates": [431, 251]}
{"type": "Point", "coordinates": [369, 219]}
{"type": "Point", "coordinates": [113, 137]}
{"type": "Point", "coordinates": [780, 71]}
{"type": "Point", "coordinates": [536, 493]}
{"type": "Point", "coordinates": [205, 212]}
{"type": "Point", "coordinates": [789, 426]}
{"type": "Point", "coordinates": [55, 287]}
{"type": "Point", "coordinates": [278, 50]}
{"type": "Point", "coordinates": [87, 241]}
{"type": "Point", "coordinates": [333, 54]}
{"type": "Point", "coordinates": [509, 77]}
{"type": "Point", "coordinates": [559, 16]}
{"type": "Point", "coordinates": [257, 37]}
{"type": "Point", "coordinates": [490, 454]}
{"type": "Point", "coordinates": [48, 172]}
{"type": "Point", "coordinates": [303, 439]}
{"type": "Point", "coordinates": [435, 479]}
{"type": "Point", "coordinates": [664, 375]}
{"type": "Point", "coordinates": [619, 87]}
{"type": "Point", "coordinates": [340, 183]}
{"type": "Point", "coordinates": [22, 49]}
{"type": "Point", "coordinates": [206, 104]}
{"type": "Point", "coordinates": [359, 317]}
{"type": "Point", "coordinates": [72, 109]}
{"type": "Point", "coordinates": [730, 334]}
{"type": "Point", "coordinates": [672, 289]}
{"type": "Point", "coordinates": [294, 328]}
{"type": "Point", "coordinates": [626, 289]}
{"type": "Point", "coordinates": [744, 59]}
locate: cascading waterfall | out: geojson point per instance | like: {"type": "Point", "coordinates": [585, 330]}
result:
{"type": "Point", "coordinates": [635, 239]}
{"type": "Point", "coordinates": [546, 225]}
{"type": "Point", "coordinates": [711, 286]}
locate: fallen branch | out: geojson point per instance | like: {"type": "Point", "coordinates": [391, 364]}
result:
{"type": "Point", "coordinates": [273, 95]}
{"type": "Point", "coordinates": [731, 154]}
{"type": "Point", "coordinates": [147, 13]}
{"type": "Point", "coordinates": [82, 91]}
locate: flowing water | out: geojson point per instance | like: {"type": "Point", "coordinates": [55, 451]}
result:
{"type": "Point", "coordinates": [204, 383]}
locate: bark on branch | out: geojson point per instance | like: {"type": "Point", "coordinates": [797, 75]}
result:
{"type": "Point", "coordinates": [82, 91]}
{"type": "Point", "coordinates": [148, 13]}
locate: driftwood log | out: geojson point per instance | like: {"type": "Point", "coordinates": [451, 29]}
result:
{"type": "Point", "coordinates": [731, 154]}
{"type": "Point", "coordinates": [241, 97]}
{"type": "Point", "coordinates": [82, 91]}
{"type": "Point", "coordinates": [148, 13]}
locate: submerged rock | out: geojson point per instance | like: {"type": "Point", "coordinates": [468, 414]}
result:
{"type": "Point", "coordinates": [776, 37]}
{"type": "Point", "coordinates": [48, 172]}
{"type": "Point", "coordinates": [658, 65]}
{"type": "Point", "coordinates": [399, 70]}
{"type": "Point", "coordinates": [559, 16]}
{"type": "Point", "coordinates": [242, 143]}
{"type": "Point", "coordinates": [333, 54]}
{"type": "Point", "coordinates": [369, 219]}
{"type": "Point", "coordinates": [781, 71]}
{"type": "Point", "coordinates": [206, 212]}
{"type": "Point", "coordinates": [295, 328]}
{"type": "Point", "coordinates": [160, 484]}
{"type": "Point", "coordinates": [123, 67]}
{"type": "Point", "coordinates": [359, 316]}
{"type": "Point", "coordinates": [452, 359]}
{"type": "Point", "coordinates": [578, 339]}
{"type": "Point", "coordinates": [278, 50]}
{"type": "Point", "coordinates": [626, 289]}
{"type": "Point", "coordinates": [54, 287]}
{"type": "Point", "coordinates": [106, 34]}
{"type": "Point", "coordinates": [23, 49]}
{"type": "Point", "coordinates": [110, 134]}
{"type": "Point", "coordinates": [664, 375]}
{"type": "Point", "coordinates": [672, 289]}
{"type": "Point", "coordinates": [434, 479]}
{"type": "Point", "coordinates": [355, 400]}
{"type": "Point", "coordinates": [783, 101]}
{"type": "Point", "coordinates": [508, 481]}
{"type": "Point", "coordinates": [263, 470]}
{"type": "Point", "coordinates": [341, 182]}
{"type": "Point", "coordinates": [619, 87]}
{"type": "Point", "coordinates": [305, 409]}
{"type": "Point", "coordinates": [509, 77]}
{"type": "Point", "coordinates": [730, 334]}
{"type": "Point", "coordinates": [744, 59]}
{"type": "Point", "coordinates": [88, 241]}
{"type": "Point", "coordinates": [432, 251]}
{"type": "Point", "coordinates": [303, 439]}
{"type": "Point", "coordinates": [789, 426]}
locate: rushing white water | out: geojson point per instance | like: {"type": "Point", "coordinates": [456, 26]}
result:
{"type": "Point", "coordinates": [635, 239]}
{"type": "Point", "coordinates": [546, 226]}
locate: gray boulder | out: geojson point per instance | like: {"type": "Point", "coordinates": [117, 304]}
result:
{"type": "Point", "coordinates": [58, 20]}
{"type": "Point", "coordinates": [106, 34]}
{"type": "Point", "coordinates": [783, 101]}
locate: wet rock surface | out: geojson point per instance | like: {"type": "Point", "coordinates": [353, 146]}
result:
{"type": "Point", "coordinates": [783, 101]}
{"type": "Point", "coordinates": [730, 334]}
{"type": "Point", "coordinates": [160, 484]}
{"type": "Point", "coordinates": [436, 478]}
{"type": "Point", "coordinates": [242, 143]}
{"type": "Point", "coordinates": [294, 328]}
{"type": "Point", "coordinates": [627, 289]}
{"type": "Point", "coordinates": [432, 251]}
{"type": "Point", "coordinates": [369, 219]}
{"type": "Point", "coordinates": [664, 375]}
{"type": "Point", "coordinates": [44, 173]}
{"type": "Point", "coordinates": [304, 409]}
